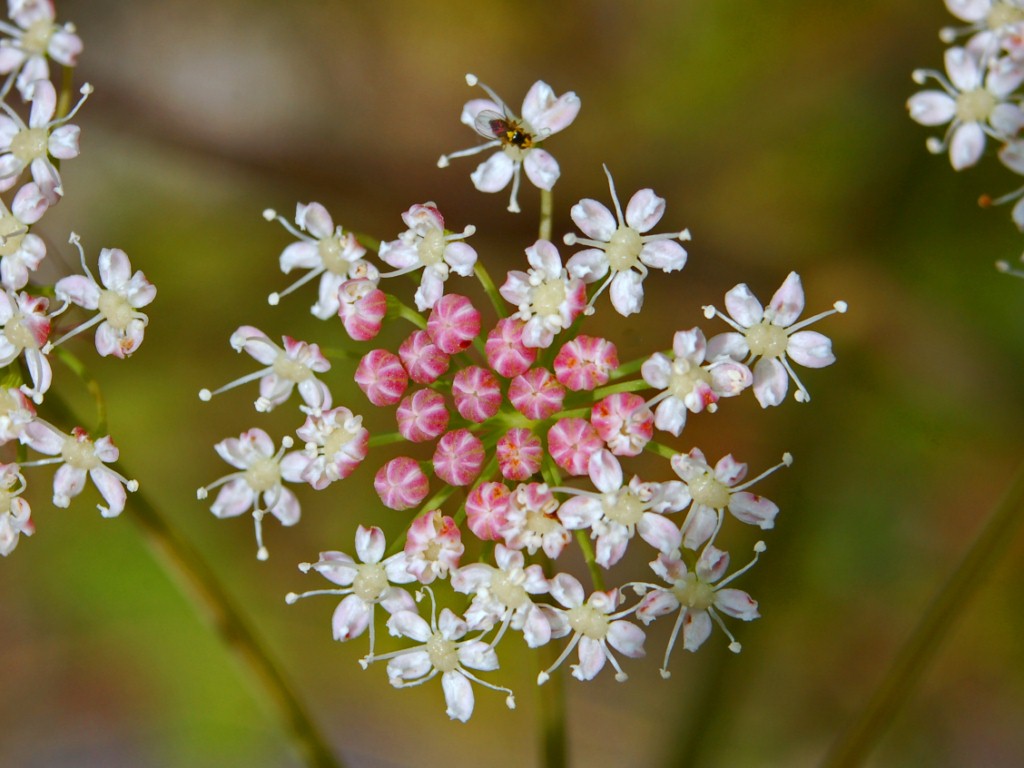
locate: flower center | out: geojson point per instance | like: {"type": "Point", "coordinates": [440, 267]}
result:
{"type": "Point", "coordinates": [29, 144]}
{"type": "Point", "coordinates": [431, 248]}
{"type": "Point", "coordinates": [290, 369]}
{"type": "Point", "coordinates": [1003, 14]}
{"type": "Point", "coordinates": [623, 507]}
{"type": "Point", "coordinates": [331, 250]}
{"type": "Point", "coordinates": [19, 334]}
{"type": "Point", "coordinates": [337, 440]}
{"type": "Point", "coordinates": [589, 622]}
{"type": "Point", "coordinates": [686, 377]}
{"type": "Point", "coordinates": [79, 453]}
{"type": "Point", "coordinates": [548, 297]}
{"type": "Point", "coordinates": [541, 524]}
{"type": "Point", "coordinates": [975, 106]}
{"type": "Point", "coordinates": [508, 590]}
{"type": "Point", "coordinates": [263, 475]}
{"type": "Point", "coordinates": [709, 491]}
{"type": "Point", "coordinates": [12, 232]}
{"type": "Point", "coordinates": [624, 249]}
{"type": "Point", "coordinates": [36, 38]}
{"type": "Point", "coordinates": [694, 593]}
{"type": "Point", "coordinates": [370, 582]}
{"type": "Point", "coordinates": [767, 340]}
{"type": "Point", "coordinates": [116, 309]}
{"type": "Point", "coordinates": [443, 653]}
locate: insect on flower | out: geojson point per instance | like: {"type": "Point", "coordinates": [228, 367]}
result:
{"type": "Point", "coordinates": [503, 127]}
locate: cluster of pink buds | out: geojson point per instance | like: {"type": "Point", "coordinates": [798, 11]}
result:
{"type": "Point", "coordinates": [980, 95]}
{"type": "Point", "coordinates": [507, 432]}
{"type": "Point", "coordinates": [36, 134]}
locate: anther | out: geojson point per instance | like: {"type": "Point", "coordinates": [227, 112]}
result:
{"type": "Point", "coordinates": [205, 395]}
{"type": "Point", "coordinates": [291, 598]}
{"type": "Point", "coordinates": [269, 214]}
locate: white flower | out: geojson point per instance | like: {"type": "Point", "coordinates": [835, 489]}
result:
{"type": "Point", "coordinates": [31, 146]}
{"type": "Point", "coordinates": [79, 456]}
{"type": "Point", "coordinates": [324, 251]}
{"type": "Point", "coordinates": [618, 244]}
{"type": "Point", "coordinates": [772, 337]}
{"type": "Point", "coordinates": [618, 512]}
{"type": "Point", "coordinates": [548, 298]}
{"type": "Point", "coordinates": [22, 251]}
{"type": "Point", "coordinates": [518, 139]}
{"type": "Point", "coordinates": [699, 596]}
{"type": "Point", "coordinates": [974, 103]}
{"type": "Point", "coordinates": [366, 584]}
{"type": "Point", "coordinates": [689, 385]}
{"type": "Point", "coordinates": [260, 478]}
{"type": "Point", "coordinates": [25, 329]}
{"type": "Point", "coordinates": [715, 490]}
{"type": "Point", "coordinates": [502, 595]}
{"type": "Point", "coordinates": [117, 301]}
{"type": "Point", "coordinates": [441, 651]}
{"type": "Point", "coordinates": [36, 37]}
{"type": "Point", "coordinates": [425, 245]}
{"type": "Point", "coordinates": [597, 629]}
{"type": "Point", "coordinates": [15, 513]}
{"type": "Point", "coordinates": [293, 366]}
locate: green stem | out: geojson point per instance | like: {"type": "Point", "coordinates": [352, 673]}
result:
{"type": "Point", "coordinates": [490, 289]}
{"type": "Point", "coordinates": [854, 745]}
{"type": "Point", "coordinates": [206, 594]}
{"type": "Point", "coordinates": [547, 206]}
{"type": "Point", "coordinates": [91, 385]}
{"type": "Point", "coordinates": [399, 309]}
{"type": "Point", "coordinates": [551, 710]}
{"type": "Point", "coordinates": [634, 385]}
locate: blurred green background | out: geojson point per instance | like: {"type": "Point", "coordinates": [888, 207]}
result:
{"type": "Point", "coordinates": [776, 132]}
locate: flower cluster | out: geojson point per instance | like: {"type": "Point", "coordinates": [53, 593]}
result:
{"type": "Point", "coordinates": [36, 134]}
{"type": "Point", "coordinates": [511, 433]}
{"type": "Point", "coordinates": [979, 96]}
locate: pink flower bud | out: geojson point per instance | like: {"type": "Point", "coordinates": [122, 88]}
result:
{"type": "Point", "coordinates": [571, 443]}
{"type": "Point", "coordinates": [536, 394]}
{"type": "Point", "coordinates": [477, 393]}
{"type": "Point", "coordinates": [487, 510]}
{"type": "Point", "coordinates": [459, 457]}
{"type": "Point", "coordinates": [422, 359]}
{"type": "Point", "coordinates": [362, 306]}
{"type": "Point", "coordinates": [422, 416]}
{"type": "Point", "coordinates": [381, 376]}
{"type": "Point", "coordinates": [585, 363]}
{"type": "Point", "coordinates": [519, 453]}
{"type": "Point", "coordinates": [401, 483]}
{"type": "Point", "coordinates": [506, 353]}
{"type": "Point", "coordinates": [624, 422]}
{"type": "Point", "coordinates": [453, 323]}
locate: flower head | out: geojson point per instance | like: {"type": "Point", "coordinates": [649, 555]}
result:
{"type": "Point", "coordinates": [294, 365]}
{"type": "Point", "coordinates": [517, 138]}
{"type": "Point", "coordinates": [257, 485]}
{"type": "Point", "coordinates": [619, 245]}
{"type": "Point", "coordinates": [15, 514]}
{"type": "Point", "coordinates": [32, 146]}
{"type": "Point", "coordinates": [324, 250]}
{"type": "Point", "coordinates": [426, 246]}
{"type": "Point", "coordinates": [773, 337]}
{"type": "Point", "coordinates": [547, 296]}
{"type": "Point", "coordinates": [79, 457]}
{"type": "Point", "coordinates": [699, 596]}
{"type": "Point", "coordinates": [116, 298]}
{"type": "Point", "coordinates": [974, 102]}
{"type": "Point", "coordinates": [35, 39]}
